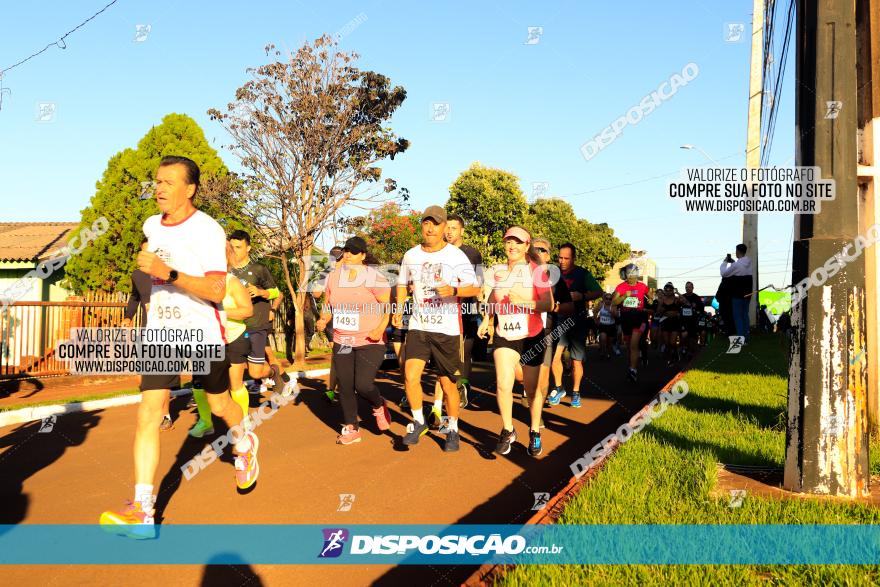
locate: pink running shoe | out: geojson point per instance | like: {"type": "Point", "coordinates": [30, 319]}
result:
{"type": "Point", "coordinates": [349, 435]}
{"type": "Point", "coordinates": [383, 416]}
{"type": "Point", "coordinates": [247, 469]}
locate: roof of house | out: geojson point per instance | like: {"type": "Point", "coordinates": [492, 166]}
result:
{"type": "Point", "coordinates": [30, 241]}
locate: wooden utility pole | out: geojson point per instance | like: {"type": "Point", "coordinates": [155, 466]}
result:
{"type": "Point", "coordinates": [826, 436]}
{"type": "Point", "coordinates": [868, 35]}
{"type": "Point", "coordinates": [753, 144]}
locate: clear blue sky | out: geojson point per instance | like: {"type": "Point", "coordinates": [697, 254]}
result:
{"type": "Point", "coordinates": [526, 108]}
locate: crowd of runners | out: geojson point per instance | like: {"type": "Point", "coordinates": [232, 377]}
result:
{"type": "Point", "coordinates": [441, 305]}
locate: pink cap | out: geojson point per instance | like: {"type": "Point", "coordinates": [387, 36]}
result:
{"type": "Point", "coordinates": [518, 233]}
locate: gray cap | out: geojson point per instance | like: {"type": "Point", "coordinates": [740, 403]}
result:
{"type": "Point", "coordinates": [436, 213]}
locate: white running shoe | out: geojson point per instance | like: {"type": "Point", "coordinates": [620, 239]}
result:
{"type": "Point", "coordinates": [291, 388]}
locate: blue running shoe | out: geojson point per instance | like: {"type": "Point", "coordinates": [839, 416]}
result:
{"type": "Point", "coordinates": [555, 396]}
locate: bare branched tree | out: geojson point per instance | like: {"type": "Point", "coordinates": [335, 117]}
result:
{"type": "Point", "coordinates": [309, 132]}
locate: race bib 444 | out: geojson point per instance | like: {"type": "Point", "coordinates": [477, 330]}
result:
{"type": "Point", "coordinates": [512, 326]}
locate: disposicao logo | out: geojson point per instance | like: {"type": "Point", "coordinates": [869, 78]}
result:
{"type": "Point", "coordinates": [334, 540]}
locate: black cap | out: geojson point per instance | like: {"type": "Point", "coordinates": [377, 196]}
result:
{"type": "Point", "coordinates": [355, 245]}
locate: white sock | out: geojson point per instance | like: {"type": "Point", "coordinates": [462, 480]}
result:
{"type": "Point", "coordinates": [438, 405]}
{"type": "Point", "coordinates": [243, 445]}
{"type": "Point", "coordinates": [143, 493]}
{"type": "Point", "coordinates": [418, 416]}
{"type": "Point", "coordinates": [452, 424]}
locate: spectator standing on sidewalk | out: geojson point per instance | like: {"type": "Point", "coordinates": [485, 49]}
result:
{"type": "Point", "coordinates": [739, 274]}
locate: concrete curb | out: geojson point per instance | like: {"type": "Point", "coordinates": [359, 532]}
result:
{"type": "Point", "coordinates": [38, 413]}
{"type": "Point", "coordinates": [490, 573]}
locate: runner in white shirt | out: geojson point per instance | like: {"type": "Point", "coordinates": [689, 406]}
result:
{"type": "Point", "coordinates": [440, 275]}
{"type": "Point", "coordinates": [185, 257]}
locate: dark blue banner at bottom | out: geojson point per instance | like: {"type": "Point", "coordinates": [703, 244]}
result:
{"type": "Point", "coordinates": [438, 545]}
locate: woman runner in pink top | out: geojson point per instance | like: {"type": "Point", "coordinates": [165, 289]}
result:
{"type": "Point", "coordinates": [517, 293]}
{"type": "Point", "coordinates": [357, 299]}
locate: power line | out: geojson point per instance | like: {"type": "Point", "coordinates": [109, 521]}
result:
{"type": "Point", "coordinates": [60, 42]}
{"type": "Point", "coordinates": [778, 77]}
{"type": "Point", "coordinates": [638, 181]}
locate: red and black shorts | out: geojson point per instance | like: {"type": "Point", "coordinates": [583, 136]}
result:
{"type": "Point", "coordinates": [633, 320]}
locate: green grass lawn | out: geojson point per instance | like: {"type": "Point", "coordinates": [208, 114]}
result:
{"type": "Point", "coordinates": [734, 414]}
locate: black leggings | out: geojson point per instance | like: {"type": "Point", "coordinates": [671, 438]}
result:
{"type": "Point", "coordinates": [356, 372]}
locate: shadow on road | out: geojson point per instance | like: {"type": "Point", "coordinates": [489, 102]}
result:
{"type": "Point", "coordinates": [551, 472]}
{"type": "Point", "coordinates": [223, 575]}
{"type": "Point", "coordinates": [52, 438]}
{"type": "Point", "coordinates": [11, 386]}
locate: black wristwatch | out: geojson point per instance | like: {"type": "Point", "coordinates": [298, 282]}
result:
{"type": "Point", "coordinates": [172, 276]}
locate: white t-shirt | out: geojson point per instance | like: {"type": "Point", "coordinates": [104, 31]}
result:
{"type": "Point", "coordinates": [196, 246]}
{"type": "Point", "coordinates": [425, 271]}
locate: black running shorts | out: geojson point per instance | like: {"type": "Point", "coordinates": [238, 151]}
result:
{"type": "Point", "coordinates": [670, 324]}
{"type": "Point", "coordinates": [530, 349]}
{"type": "Point", "coordinates": [258, 340]}
{"type": "Point", "coordinates": [216, 381]}
{"type": "Point", "coordinates": [445, 349]}
{"type": "Point", "coordinates": [608, 330]}
{"type": "Point", "coordinates": [237, 351]}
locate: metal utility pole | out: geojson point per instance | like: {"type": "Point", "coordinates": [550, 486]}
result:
{"type": "Point", "coordinates": [826, 436]}
{"type": "Point", "coordinates": [753, 144]}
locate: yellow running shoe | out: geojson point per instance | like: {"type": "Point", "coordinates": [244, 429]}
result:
{"type": "Point", "coordinates": [132, 522]}
{"type": "Point", "coordinates": [435, 420]}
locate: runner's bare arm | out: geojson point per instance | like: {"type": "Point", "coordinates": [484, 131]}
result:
{"type": "Point", "coordinates": [468, 291]}
{"type": "Point", "coordinates": [210, 287]}
{"type": "Point", "coordinates": [400, 297]}
{"type": "Point", "coordinates": [376, 333]}
{"type": "Point", "coordinates": [243, 307]}
{"type": "Point", "coordinates": [321, 324]}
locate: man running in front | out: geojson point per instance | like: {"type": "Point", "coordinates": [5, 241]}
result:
{"type": "Point", "coordinates": [435, 326]}
{"type": "Point", "coordinates": [470, 315]}
{"type": "Point", "coordinates": [186, 259]}
{"type": "Point", "coordinates": [583, 288]}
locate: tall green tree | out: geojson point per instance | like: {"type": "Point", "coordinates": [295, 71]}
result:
{"type": "Point", "coordinates": [490, 201]}
{"type": "Point", "coordinates": [555, 220]}
{"type": "Point", "coordinates": [602, 249]}
{"type": "Point", "coordinates": [107, 263]}
{"type": "Point", "coordinates": [598, 248]}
